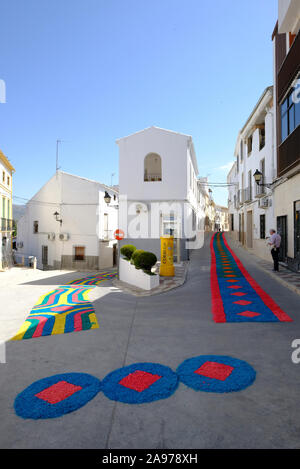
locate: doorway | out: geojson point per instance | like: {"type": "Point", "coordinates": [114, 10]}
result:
{"type": "Point", "coordinates": [282, 231]}
{"type": "Point", "coordinates": [249, 230]}
{"type": "Point", "coordinates": [243, 229]}
{"type": "Point", "coordinates": [44, 256]}
{"type": "Point", "coordinates": [297, 229]}
{"type": "Point", "coordinates": [115, 254]}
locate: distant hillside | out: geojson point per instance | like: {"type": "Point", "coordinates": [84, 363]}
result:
{"type": "Point", "coordinates": [18, 211]}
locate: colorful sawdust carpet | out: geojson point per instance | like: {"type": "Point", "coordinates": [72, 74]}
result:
{"type": "Point", "coordinates": [57, 395]}
{"type": "Point", "coordinates": [216, 373]}
{"type": "Point", "coordinates": [138, 383]}
{"type": "Point", "coordinates": [236, 297]}
{"type": "Point", "coordinates": [94, 279]}
{"type": "Point", "coordinates": [65, 309]}
{"type": "Point", "coordinates": [141, 382]}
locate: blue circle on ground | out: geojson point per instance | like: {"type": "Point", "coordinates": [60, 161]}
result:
{"type": "Point", "coordinates": [58, 395]}
{"type": "Point", "coordinates": [220, 373]}
{"type": "Point", "coordinates": [141, 382]}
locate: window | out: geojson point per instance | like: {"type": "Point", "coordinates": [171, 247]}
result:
{"type": "Point", "coordinates": [241, 150]}
{"type": "Point", "coordinates": [290, 114]}
{"type": "Point", "coordinates": [3, 208]}
{"type": "Point", "coordinates": [194, 219]}
{"type": "Point", "coordinates": [35, 226]}
{"type": "Point", "coordinates": [152, 167]}
{"type": "Point", "coordinates": [249, 145]}
{"type": "Point", "coordinates": [232, 222]}
{"type": "Point", "coordinates": [237, 164]}
{"type": "Point", "coordinates": [262, 222]}
{"type": "Point", "coordinates": [3, 176]}
{"type": "Point", "coordinates": [262, 137]}
{"type": "Point", "coordinates": [8, 180]}
{"type": "Point", "coordinates": [79, 253]}
{"type": "Point", "coordinates": [249, 185]}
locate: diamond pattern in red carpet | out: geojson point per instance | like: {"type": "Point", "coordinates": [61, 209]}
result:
{"type": "Point", "coordinates": [249, 314]}
{"type": "Point", "coordinates": [58, 392]}
{"type": "Point", "coordinates": [139, 380]}
{"type": "Point", "coordinates": [215, 370]}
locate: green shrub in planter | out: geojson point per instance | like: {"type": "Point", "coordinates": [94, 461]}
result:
{"type": "Point", "coordinates": [134, 257]}
{"type": "Point", "coordinates": [127, 250]}
{"type": "Point", "coordinates": [145, 260]}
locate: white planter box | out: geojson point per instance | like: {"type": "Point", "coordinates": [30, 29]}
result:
{"type": "Point", "coordinates": [129, 274]}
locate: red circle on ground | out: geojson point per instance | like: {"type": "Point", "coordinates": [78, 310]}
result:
{"type": "Point", "coordinates": [119, 234]}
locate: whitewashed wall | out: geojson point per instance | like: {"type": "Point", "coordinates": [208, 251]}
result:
{"type": "Point", "coordinates": [80, 205]}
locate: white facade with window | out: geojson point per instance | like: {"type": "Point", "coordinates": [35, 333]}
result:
{"type": "Point", "coordinates": [6, 222]}
{"type": "Point", "coordinates": [251, 206]}
{"type": "Point", "coordinates": [68, 225]}
{"type": "Point", "coordinates": [159, 192]}
{"type": "Point", "coordinates": [221, 218]}
{"type": "Point", "coordinates": [286, 67]}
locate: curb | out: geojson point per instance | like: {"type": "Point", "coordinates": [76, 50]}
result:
{"type": "Point", "coordinates": [127, 288]}
{"type": "Point", "coordinates": [258, 264]}
{"type": "Point", "coordinates": [280, 280]}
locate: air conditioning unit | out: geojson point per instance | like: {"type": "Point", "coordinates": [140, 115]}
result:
{"type": "Point", "coordinates": [64, 236]}
{"type": "Point", "coordinates": [141, 207]}
{"type": "Point", "coordinates": [51, 236]}
{"type": "Point", "coordinates": [265, 202]}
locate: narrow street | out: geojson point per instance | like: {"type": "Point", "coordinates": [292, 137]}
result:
{"type": "Point", "coordinates": [165, 329]}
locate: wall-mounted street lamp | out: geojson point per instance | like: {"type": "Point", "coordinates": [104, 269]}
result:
{"type": "Point", "coordinates": [258, 175]}
{"type": "Point", "coordinates": [56, 215]}
{"type": "Point", "coordinates": [107, 198]}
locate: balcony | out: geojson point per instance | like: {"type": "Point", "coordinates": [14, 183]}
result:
{"type": "Point", "coordinates": [245, 195]}
{"type": "Point", "coordinates": [240, 197]}
{"type": "Point", "coordinates": [6, 224]}
{"type": "Point", "coordinates": [248, 194]}
{"type": "Point", "coordinates": [260, 191]}
{"type": "Point", "coordinates": [289, 68]}
{"type": "Point", "coordinates": [152, 177]}
{"type": "Point", "coordinates": [288, 152]}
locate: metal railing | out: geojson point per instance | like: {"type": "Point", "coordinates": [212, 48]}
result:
{"type": "Point", "coordinates": [240, 197]}
{"type": "Point", "coordinates": [6, 224]}
{"type": "Point", "coordinates": [152, 177]}
{"type": "Point", "coordinates": [248, 194]}
{"type": "Point", "coordinates": [260, 191]}
{"type": "Point", "coordinates": [244, 195]}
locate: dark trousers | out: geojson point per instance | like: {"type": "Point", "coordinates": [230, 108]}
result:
{"type": "Point", "coordinates": [275, 255]}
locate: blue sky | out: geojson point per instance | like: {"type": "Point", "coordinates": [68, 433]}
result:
{"type": "Point", "coordinates": [91, 71]}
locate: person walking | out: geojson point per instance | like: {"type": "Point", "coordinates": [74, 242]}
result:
{"type": "Point", "coordinates": [274, 242]}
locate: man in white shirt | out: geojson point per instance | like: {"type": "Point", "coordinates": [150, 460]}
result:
{"type": "Point", "coordinates": [274, 242]}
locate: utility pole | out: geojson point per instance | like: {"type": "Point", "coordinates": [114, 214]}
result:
{"type": "Point", "coordinates": [58, 141]}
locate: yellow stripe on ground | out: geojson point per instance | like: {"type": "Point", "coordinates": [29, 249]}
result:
{"type": "Point", "coordinates": [22, 331]}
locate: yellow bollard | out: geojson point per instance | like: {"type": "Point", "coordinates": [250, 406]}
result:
{"type": "Point", "coordinates": [167, 268]}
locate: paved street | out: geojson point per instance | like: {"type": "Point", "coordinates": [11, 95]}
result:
{"type": "Point", "coordinates": [165, 329]}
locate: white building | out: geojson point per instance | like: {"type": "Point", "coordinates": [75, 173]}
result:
{"type": "Point", "coordinates": [221, 218]}
{"type": "Point", "coordinates": [251, 207]}
{"type": "Point", "coordinates": [233, 204]}
{"type": "Point", "coordinates": [68, 225]}
{"type": "Point", "coordinates": [286, 66]}
{"type": "Point", "coordinates": [158, 190]}
{"type": "Point", "coordinates": [6, 222]}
